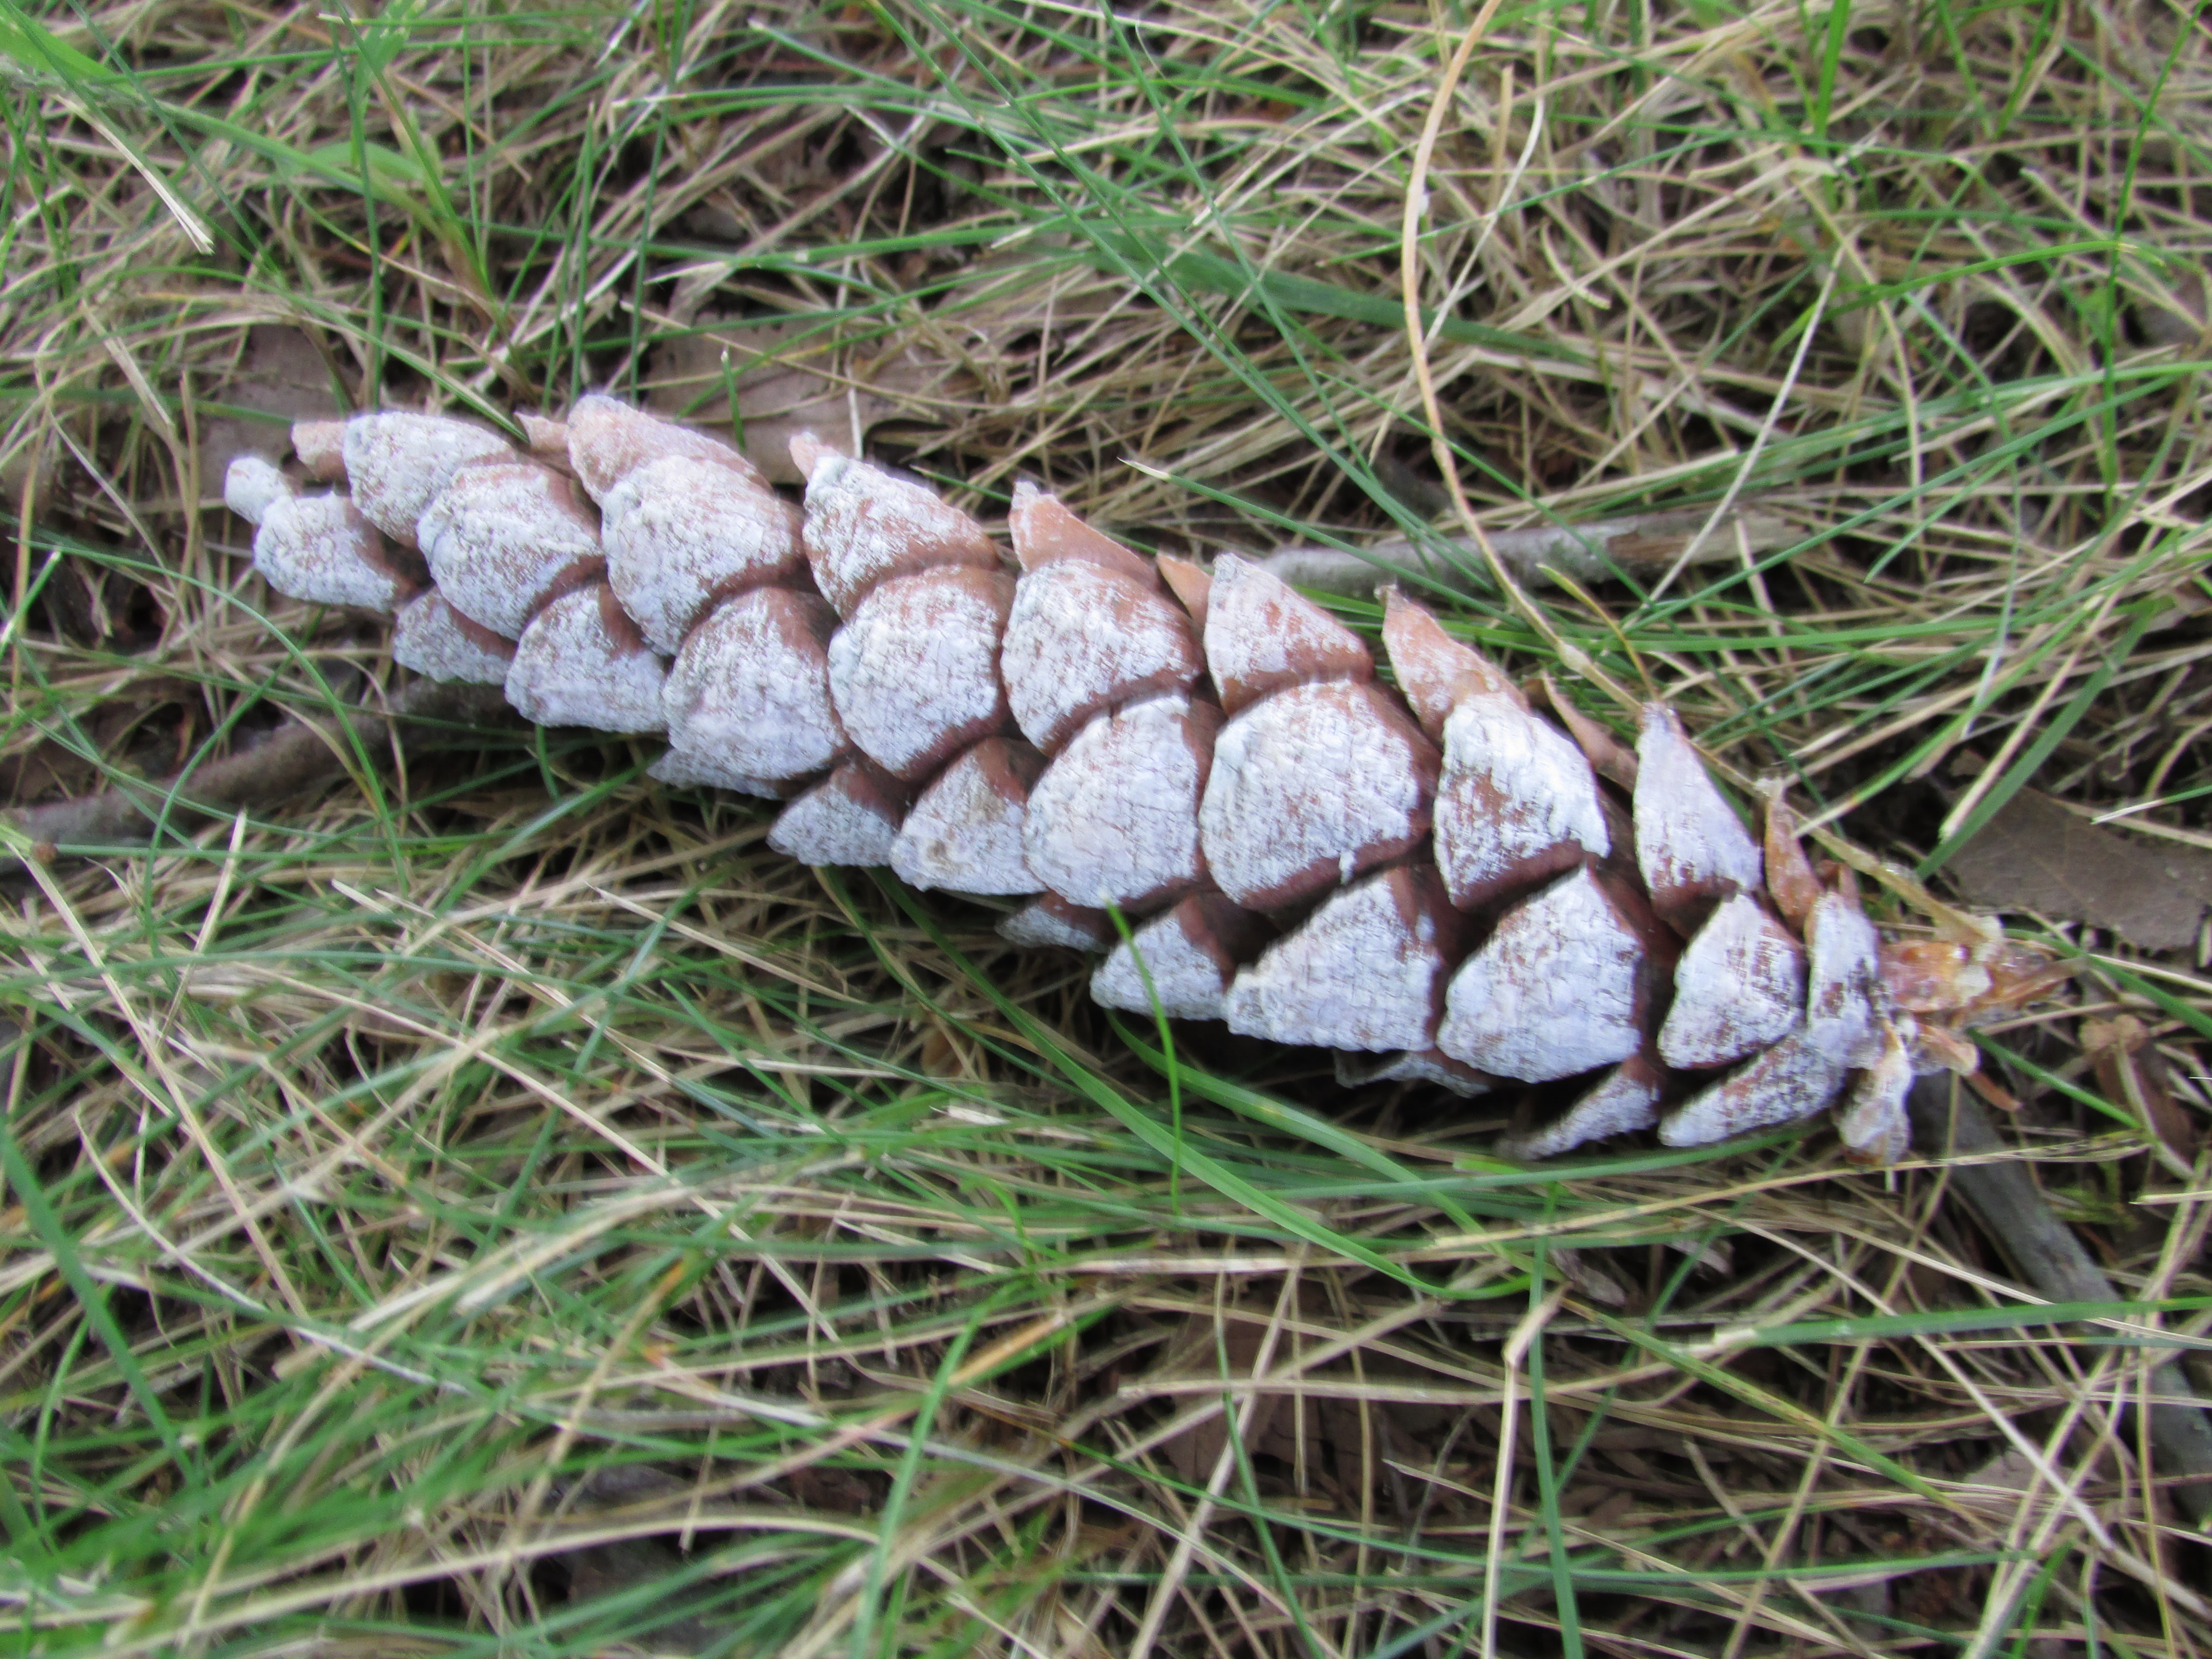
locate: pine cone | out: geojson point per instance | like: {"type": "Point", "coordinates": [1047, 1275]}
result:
{"type": "Point", "coordinates": [1436, 878]}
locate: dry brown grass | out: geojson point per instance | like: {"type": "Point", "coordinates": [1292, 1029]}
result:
{"type": "Point", "coordinates": [495, 1205]}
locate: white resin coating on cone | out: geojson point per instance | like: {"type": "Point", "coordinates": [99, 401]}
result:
{"type": "Point", "coordinates": [1310, 786]}
{"type": "Point", "coordinates": [1791, 1080]}
{"type": "Point", "coordinates": [396, 463]}
{"type": "Point", "coordinates": [1624, 1100]}
{"type": "Point", "coordinates": [681, 531]}
{"type": "Point", "coordinates": [1184, 965]}
{"type": "Point", "coordinates": [864, 526]}
{"type": "Point", "coordinates": [505, 535]}
{"type": "Point", "coordinates": [1357, 1071]}
{"type": "Point", "coordinates": [965, 832]}
{"type": "Point", "coordinates": [1262, 636]}
{"type": "Point", "coordinates": [679, 773]}
{"type": "Point", "coordinates": [607, 438]}
{"type": "Point", "coordinates": [1080, 638]}
{"type": "Point", "coordinates": [1051, 921]}
{"type": "Point", "coordinates": [1553, 992]}
{"type": "Point", "coordinates": [748, 695]}
{"type": "Point", "coordinates": [1362, 972]}
{"type": "Point", "coordinates": [1319, 793]}
{"type": "Point", "coordinates": [1689, 844]}
{"type": "Point", "coordinates": [842, 820]}
{"type": "Point", "coordinates": [318, 549]}
{"type": "Point", "coordinates": [581, 663]}
{"type": "Point", "coordinates": [1739, 987]}
{"type": "Point", "coordinates": [432, 638]}
{"type": "Point", "coordinates": [1515, 789]}
{"type": "Point", "coordinates": [252, 484]}
{"type": "Point", "coordinates": [1844, 981]}
{"type": "Point", "coordinates": [1114, 820]}
{"type": "Point", "coordinates": [915, 668]}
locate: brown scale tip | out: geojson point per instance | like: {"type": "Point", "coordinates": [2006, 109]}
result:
{"type": "Point", "coordinates": [1188, 584]}
{"type": "Point", "coordinates": [1262, 636]}
{"type": "Point", "coordinates": [1790, 877]}
{"type": "Point", "coordinates": [807, 452]}
{"type": "Point", "coordinates": [548, 438]}
{"type": "Point", "coordinates": [1434, 670]}
{"type": "Point", "coordinates": [1045, 532]}
{"type": "Point", "coordinates": [320, 445]}
{"type": "Point", "coordinates": [608, 440]}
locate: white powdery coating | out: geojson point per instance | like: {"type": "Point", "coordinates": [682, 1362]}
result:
{"type": "Point", "coordinates": [1114, 820]}
{"type": "Point", "coordinates": [435, 640]}
{"type": "Point", "coordinates": [916, 670]}
{"type": "Point", "coordinates": [1414, 1066]}
{"type": "Point", "coordinates": [1685, 834]}
{"type": "Point", "coordinates": [252, 484]}
{"type": "Point", "coordinates": [1845, 955]}
{"type": "Point", "coordinates": [678, 772]}
{"type": "Point", "coordinates": [500, 536]}
{"type": "Point", "coordinates": [1186, 975]}
{"type": "Point", "coordinates": [1353, 976]}
{"type": "Point", "coordinates": [580, 663]}
{"type": "Point", "coordinates": [1740, 986]}
{"type": "Point", "coordinates": [1514, 786]}
{"type": "Point", "coordinates": [965, 833]}
{"type": "Point", "coordinates": [397, 462]}
{"type": "Point", "coordinates": [749, 694]}
{"type": "Point", "coordinates": [830, 825]}
{"type": "Point", "coordinates": [1623, 1101]}
{"type": "Point", "coordinates": [1262, 635]}
{"type": "Point", "coordinates": [681, 531]}
{"type": "Point", "coordinates": [864, 526]}
{"type": "Point", "coordinates": [1791, 1080]}
{"type": "Point", "coordinates": [1080, 637]}
{"type": "Point", "coordinates": [1052, 923]}
{"type": "Point", "coordinates": [1553, 992]}
{"type": "Point", "coordinates": [318, 548]}
{"type": "Point", "coordinates": [1314, 774]}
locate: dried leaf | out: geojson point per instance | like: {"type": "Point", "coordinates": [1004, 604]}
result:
{"type": "Point", "coordinates": [2035, 855]}
{"type": "Point", "coordinates": [2132, 1074]}
{"type": "Point", "coordinates": [692, 377]}
{"type": "Point", "coordinates": [283, 377]}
